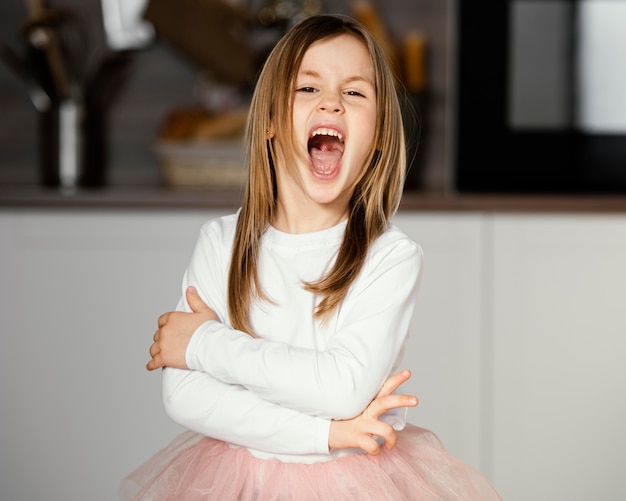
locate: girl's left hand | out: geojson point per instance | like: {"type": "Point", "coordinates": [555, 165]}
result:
{"type": "Point", "coordinates": [175, 331]}
{"type": "Point", "coordinates": [361, 430]}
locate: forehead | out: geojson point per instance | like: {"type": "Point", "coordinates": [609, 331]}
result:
{"type": "Point", "coordinates": [343, 56]}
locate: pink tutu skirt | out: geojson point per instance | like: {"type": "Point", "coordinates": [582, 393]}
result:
{"type": "Point", "coordinates": [194, 467]}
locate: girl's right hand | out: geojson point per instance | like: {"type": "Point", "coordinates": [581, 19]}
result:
{"type": "Point", "coordinates": [361, 430]}
{"type": "Point", "coordinates": [175, 331]}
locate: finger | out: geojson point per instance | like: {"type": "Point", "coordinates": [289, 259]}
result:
{"type": "Point", "coordinates": [155, 349]}
{"type": "Point", "coordinates": [389, 435]}
{"type": "Point", "coordinates": [162, 320]}
{"type": "Point", "coordinates": [157, 335]}
{"type": "Point", "coordinates": [396, 401]}
{"type": "Point", "coordinates": [385, 433]}
{"type": "Point", "coordinates": [370, 445]}
{"type": "Point", "coordinates": [383, 404]}
{"type": "Point", "coordinates": [195, 301]}
{"type": "Point", "coordinates": [391, 441]}
{"type": "Point", "coordinates": [154, 363]}
{"type": "Point", "coordinates": [393, 383]}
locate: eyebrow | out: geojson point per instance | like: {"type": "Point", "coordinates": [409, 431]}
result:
{"type": "Point", "coordinates": [355, 78]}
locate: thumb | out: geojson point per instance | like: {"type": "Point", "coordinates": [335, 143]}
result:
{"type": "Point", "coordinates": [195, 301]}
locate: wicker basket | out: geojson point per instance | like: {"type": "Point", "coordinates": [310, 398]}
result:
{"type": "Point", "coordinates": [203, 164]}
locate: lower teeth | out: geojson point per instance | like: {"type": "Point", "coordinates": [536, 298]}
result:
{"type": "Point", "coordinates": [325, 172]}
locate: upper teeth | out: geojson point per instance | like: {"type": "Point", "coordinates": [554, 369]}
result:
{"type": "Point", "coordinates": [323, 131]}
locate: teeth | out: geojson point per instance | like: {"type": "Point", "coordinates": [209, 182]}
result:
{"type": "Point", "coordinates": [323, 131]}
{"type": "Point", "coordinates": [324, 172]}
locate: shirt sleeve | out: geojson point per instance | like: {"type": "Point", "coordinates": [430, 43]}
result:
{"type": "Point", "coordinates": [340, 381]}
{"type": "Point", "coordinates": [228, 411]}
{"type": "Point", "coordinates": [234, 414]}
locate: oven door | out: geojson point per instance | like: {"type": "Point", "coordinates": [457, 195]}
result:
{"type": "Point", "coordinates": [540, 96]}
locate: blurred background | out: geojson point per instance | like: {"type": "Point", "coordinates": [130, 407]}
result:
{"type": "Point", "coordinates": [120, 134]}
{"type": "Point", "coordinates": [162, 87]}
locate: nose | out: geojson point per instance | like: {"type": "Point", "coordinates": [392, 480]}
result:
{"type": "Point", "coordinates": [331, 101]}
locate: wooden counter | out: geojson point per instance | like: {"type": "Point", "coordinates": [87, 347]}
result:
{"type": "Point", "coordinates": [33, 197]}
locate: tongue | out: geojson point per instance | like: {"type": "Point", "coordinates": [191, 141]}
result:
{"type": "Point", "coordinates": [325, 161]}
{"type": "Point", "coordinates": [325, 154]}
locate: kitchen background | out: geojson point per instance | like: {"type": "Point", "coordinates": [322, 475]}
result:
{"type": "Point", "coordinates": [518, 340]}
{"type": "Point", "coordinates": [152, 81]}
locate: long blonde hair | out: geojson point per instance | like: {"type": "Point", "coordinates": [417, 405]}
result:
{"type": "Point", "coordinates": [376, 195]}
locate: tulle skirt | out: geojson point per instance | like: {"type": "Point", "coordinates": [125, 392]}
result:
{"type": "Point", "coordinates": [194, 468]}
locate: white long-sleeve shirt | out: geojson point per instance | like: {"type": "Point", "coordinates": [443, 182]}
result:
{"type": "Point", "coordinates": [276, 395]}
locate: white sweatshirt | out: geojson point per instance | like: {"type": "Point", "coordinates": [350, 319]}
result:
{"type": "Point", "coordinates": [277, 395]}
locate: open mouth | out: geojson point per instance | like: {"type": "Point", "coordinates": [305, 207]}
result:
{"type": "Point", "coordinates": [326, 149]}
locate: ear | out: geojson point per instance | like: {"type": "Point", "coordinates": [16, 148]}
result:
{"type": "Point", "coordinates": [270, 133]}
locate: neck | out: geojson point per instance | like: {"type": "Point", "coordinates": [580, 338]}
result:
{"type": "Point", "coordinates": [306, 217]}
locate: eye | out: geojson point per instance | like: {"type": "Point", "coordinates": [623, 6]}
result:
{"type": "Point", "coordinates": [354, 93]}
{"type": "Point", "coordinates": [306, 89]}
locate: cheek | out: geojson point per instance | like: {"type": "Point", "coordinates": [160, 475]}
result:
{"type": "Point", "coordinates": [373, 123]}
{"type": "Point", "coordinates": [298, 117]}
{"type": "Point", "coordinates": [368, 130]}
{"type": "Point", "coordinates": [367, 123]}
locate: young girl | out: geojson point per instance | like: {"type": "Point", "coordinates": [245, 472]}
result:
{"type": "Point", "coordinates": [295, 310]}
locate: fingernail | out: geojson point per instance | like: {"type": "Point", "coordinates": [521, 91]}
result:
{"type": "Point", "coordinates": [413, 401]}
{"type": "Point", "coordinates": [192, 289]}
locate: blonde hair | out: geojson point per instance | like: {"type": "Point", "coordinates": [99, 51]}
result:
{"type": "Point", "coordinates": [377, 192]}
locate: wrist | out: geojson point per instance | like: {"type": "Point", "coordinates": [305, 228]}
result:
{"type": "Point", "coordinates": [338, 435]}
{"type": "Point", "coordinates": [197, 345]}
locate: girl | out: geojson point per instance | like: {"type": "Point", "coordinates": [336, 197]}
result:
{"type": "Point", "coordinates": [295, 310]}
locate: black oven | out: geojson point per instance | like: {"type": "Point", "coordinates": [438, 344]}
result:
{"type": "Point", "coordinates": [540, 96]}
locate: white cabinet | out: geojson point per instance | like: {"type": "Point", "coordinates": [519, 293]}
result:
{"type": "Point", "coordinates": [517, 347]}
{"type": "Point", "coordinates": [558, 326]}
{"type": "Point", "coordinates": [81, 292]}
{"type": "Point", "coordinates": [446, 349]}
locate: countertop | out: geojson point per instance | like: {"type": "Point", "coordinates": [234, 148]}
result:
{"type": "Point", "coordinates": [151, 198]}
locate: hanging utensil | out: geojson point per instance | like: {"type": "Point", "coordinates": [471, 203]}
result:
{"type": "Point", "coordinates": [36, 92]}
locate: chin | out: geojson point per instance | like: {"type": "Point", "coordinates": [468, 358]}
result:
{"type": "Point", "coordinates": [328, 196]}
